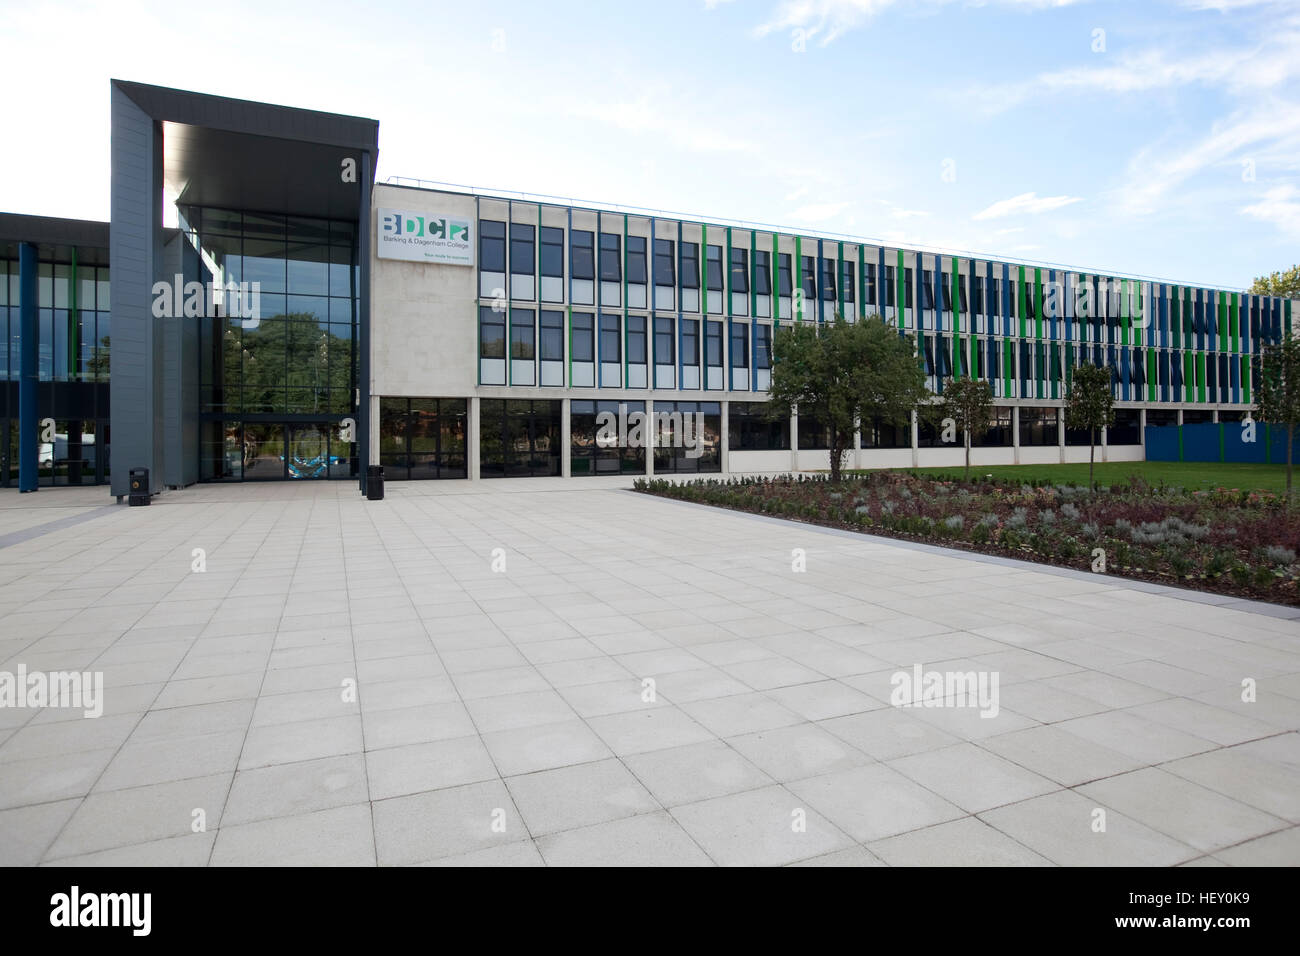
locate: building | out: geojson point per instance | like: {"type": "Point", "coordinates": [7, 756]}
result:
{"type": "Point", "coordinates": [449, 334]}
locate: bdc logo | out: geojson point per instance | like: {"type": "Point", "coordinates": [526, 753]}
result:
{"type": "Point", "coordinates": [398, 225]}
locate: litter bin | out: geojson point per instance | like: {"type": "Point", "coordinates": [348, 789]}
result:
{"type": "Point", "coordinates": [374, 482]}
{"type": "Point", "coordinates": [139, 487]}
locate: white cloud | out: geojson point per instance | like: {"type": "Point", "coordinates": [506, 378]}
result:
{"type": "Point", "coordinates": [1025, 204]}
{"type": "Point", "coordinates": [1280, 206]}
{"type": "Point", "coordinates": [1272, 129]}
{"type": "Point", "coordinates": [833, 18]}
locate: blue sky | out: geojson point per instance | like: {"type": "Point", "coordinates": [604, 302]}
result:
{"type": "Point", "coordinates": [1158, 138]}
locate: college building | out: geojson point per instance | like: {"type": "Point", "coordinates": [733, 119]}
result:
{"type": "Point", "coordinates": [260, 308]}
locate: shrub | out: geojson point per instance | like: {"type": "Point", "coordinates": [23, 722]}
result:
{"type": "Point", "coordinates": [1018, 520]}
{"type": "Point", "coordinates": [954, 523]}
{"type": "Point", "coordinates": [1089, 529]}
{"type": "Point", "coordinates": [1070, 511]}
{"type": "Point", "coordinates": [1276, 554]}
{"type": "Point", "coordinates": [1047, 516]}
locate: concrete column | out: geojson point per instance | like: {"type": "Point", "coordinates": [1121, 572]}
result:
{"type": "Point", "coordinates": [1142, 430]}
{"type": "Point", "coordinates": [1105, 444]}
{"type": "Point", "coordinates": [725, 437]}
{"type": "Point", "coordinates": [1060, 433]}
{"type": "Point", "coordinates": [566, 439]}
{"type": "Point", "coordinates": [28, 368]}
{"type": "Point", "coordinates": [857, 445]}
{"type": "Point", "coordinates": [472, 439]}
{"type": "Point", "coordinates": [651, 435]}
{"type": "Point", "coordinates": [916, 439]}
{"type": "Point", "coordinates": [794, 441]}
{"type": "Point", "coordinates": [1015, 434]}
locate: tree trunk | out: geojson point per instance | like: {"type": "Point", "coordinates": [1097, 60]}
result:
{"type": "Point", "coordinates": [968, 456]}
{"type": "Point", "coordinates": [1092, 456]}
{"type": "Point", "coordinates": [836, 458]}
{"type": "Point", "coordinates": [1290, 434]}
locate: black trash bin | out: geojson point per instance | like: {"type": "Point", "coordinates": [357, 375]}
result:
{"type": "Point", "coordinates": [139, 487]}
{"type": "Point", "coordinates": [374, 482]}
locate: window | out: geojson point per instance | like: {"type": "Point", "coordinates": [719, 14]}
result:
{"type": "Point", "coordinates": [521, 249]}
{"type": "Point", "coordinates": [740, 271]}
{"type": "Point", "coordinates": [714, 280]}
{"type": "Point", "coordinates": [492, 246]}
{"type": "Point", "coordinates": [927, 289]}
{"type": "Point", "coordinates": [739, 345]}
{"type": "Point", "coordinates": [521, 335]}
{"type": "Point", "coordinates": [665, 270]}
{"type": "Point", "coordinates": [1037, 426]}
{"type": "Point", "coordinates": [891, 295]}
{"type": "Point", "coordinates": [422, 438]}
{"type": "Point", "coordinates": [828, 280]}
{"type": "Point", "coordinates": [690, 341]}
{"type": "Point", "coordinates": [552, 252]}
{"type": "Point", "coordinates": [589, 454]}
{"type": "Point", "coordinates": [814, 434]}
{"type": "Point", "coordinates": [636, 340]}
{"type": "Point", "coordinates": [611, 345]}
{"type": "Point", "coordinates": [908, 286]}
{"type": "Point", "coordinates": [582, 255]}
{"type": "Point", "coordinates": [664, 350]}
{"type": "Point", "coordinates": [683, 445]}
{"type": "Point", "coordinates": [552, 339]}
{"type": "Point", "coordinates": [611, 270]}
{"type": "Point", "coordinates": [713, 344]}
{"type": "Point", "coordinates": [763, 346]}
{"type": "Point", "coordinates": [636, 263]}
{"type": "Point", "coordinates": [491, 333]}
{"type": "Point", "coordinates": [848, 284]}
{"type": "Point", "coordinates": [869, 283]}
{"type": "Point", "coordinates": [749, 428]}
{"type": "Point", "coordinates": [784, 275]}
{"type": "Point", "coordinates": [977, 293]}
{"type": "Point", "coordinates": [763, 273]}
{"type": "Point", "coordinates": [584, 346]}
{"type": "Point", "coordinates": [690, 265]}
{"type": "Point", "coordinates": [808, 278]}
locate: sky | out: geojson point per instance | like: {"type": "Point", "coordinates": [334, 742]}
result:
{"type": "Point", "coordinates": [1158, 138]}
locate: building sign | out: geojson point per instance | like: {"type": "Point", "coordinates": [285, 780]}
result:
{"type": "Point", "coordinates": [425, 238]}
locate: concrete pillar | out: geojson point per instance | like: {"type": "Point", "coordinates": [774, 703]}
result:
{"type": "Point", "coordinates": [1015, 434]}
{"type": "Point", "coordinates": [794, 441]}
{"type": "Point", "coordinates": [1105, 444]}
{"type": "Point", "coordinates": [724, 439]}
{"type": "Point", "coordinates": [566, 439]}
{"type": "Point", "coordinates": [1142, 430]}
{"type": "Point", "coordinates": [472, 439]}
{"type": "Point", "coordinates": [916, 439]}
{"type": "Point", "coordinates": [651, 434]}
{"type": "Point", "coordinates": [28, 368]}
{"type": "Point", "coordinates": [857, 445]}
{"type": "Point", "coordinates": [1060, 433]}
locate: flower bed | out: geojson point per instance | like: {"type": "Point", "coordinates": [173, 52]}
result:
{"type": "Point", "coordinates": [1229, 541]}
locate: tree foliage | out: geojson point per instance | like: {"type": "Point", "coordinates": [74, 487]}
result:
{"type": "Point", "coordinates": [1277, 390]}
{"type": "Point", "coordinates": [969, 403]}
{"type": "Point", "coordinates": [841, 373]}
{"type": "Point", "coordinates": [1285, 284]}
{"type": "Point", "coordinates": [1091, 405]}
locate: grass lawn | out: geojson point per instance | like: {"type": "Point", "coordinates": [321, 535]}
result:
{"type": "Point", "coordinates": [1186, 474]}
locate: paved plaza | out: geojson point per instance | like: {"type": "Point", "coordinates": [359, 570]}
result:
{"type": "Point", "coordinates": [550, 672]}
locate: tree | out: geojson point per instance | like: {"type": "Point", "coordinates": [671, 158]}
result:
{"type": "Point", "coordinates": [969, 403]}
{"type": "Point", "coordinates": [1091, 405]}
{"type": "Point", "coordinates": [1285, 284]}
{"type": "Point", "coordinates": [842, 373]}
{"type": "Point", "coordinates": [1277, 390]}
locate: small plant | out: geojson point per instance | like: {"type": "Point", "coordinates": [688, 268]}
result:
{"type": "Point", "coordinates": [954, 523]}
{"type": "Point", "coordinates": [1089, 529]}
{"type": "Point", "coordinates": [1047, 516]}
{"type": "Point", "coordinates": [1070, 511]}
{"type": "Point", "coordinates": [1018, 520]}
{"type": "Point", "coordinates": [1275, 554]}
